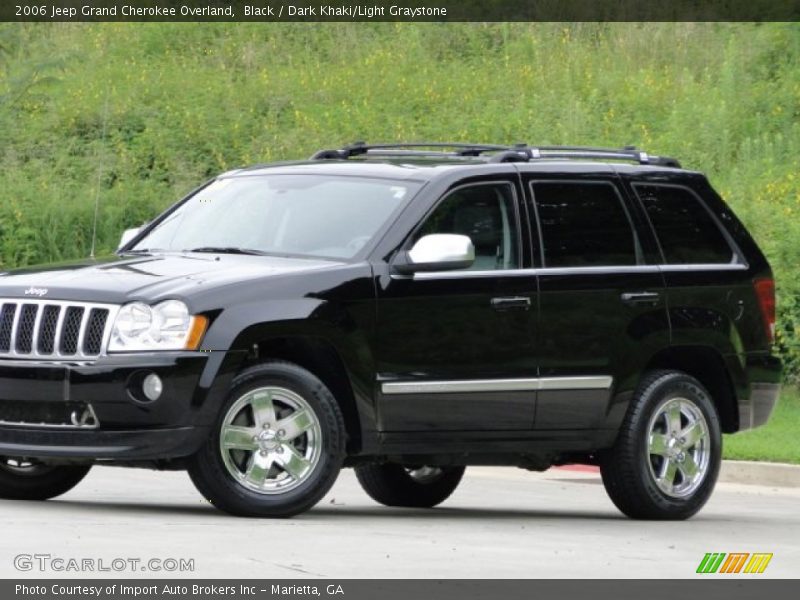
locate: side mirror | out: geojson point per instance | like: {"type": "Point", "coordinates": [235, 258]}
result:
{"type": "Point", "coordinates": [128, 235]}
{"type": "Point", "coordinates": [437, 252]}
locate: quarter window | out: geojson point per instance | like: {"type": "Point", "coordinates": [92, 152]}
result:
{"type": "Point", "coordinates": [584, 224]}
{"type": "Point", "coordinates": [684, 227]}
{"type": "Point", "coordinates": [486, 214]}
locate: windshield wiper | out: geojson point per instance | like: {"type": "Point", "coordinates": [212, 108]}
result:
{"type": "Point", "coordinates": [227, 250]}
{"type": "Point", "coordinates": [142, 251]}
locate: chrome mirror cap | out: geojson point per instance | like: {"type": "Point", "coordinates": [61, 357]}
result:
{"type": "Point", "coordinates": [439, 252]}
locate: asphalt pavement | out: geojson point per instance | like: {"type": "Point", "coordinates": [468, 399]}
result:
{"type": "Point", "coordinates": [500, 523]}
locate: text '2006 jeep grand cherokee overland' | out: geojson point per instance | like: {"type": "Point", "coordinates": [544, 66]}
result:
{"type": "Point", "coordinates": [406, 310]}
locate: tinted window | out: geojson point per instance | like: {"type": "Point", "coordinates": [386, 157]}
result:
{"type": "Point", "coordinates": [686, 230]}
{"type": "Point", "coordinates": [484, 213]}
{"type": "Point", "coordinates": [584, 224]}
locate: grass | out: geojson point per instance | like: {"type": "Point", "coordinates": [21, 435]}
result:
{"type": "Point", "coordinates": [777, 441]}
{"type": "Point", "coordinates": [134, 115]}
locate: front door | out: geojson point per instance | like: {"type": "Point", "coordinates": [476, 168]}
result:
{"type": "Point", "coordinates": [454, 349]}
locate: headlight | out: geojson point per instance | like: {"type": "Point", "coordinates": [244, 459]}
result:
{"type": "Point", "coordinates": [165, 326]}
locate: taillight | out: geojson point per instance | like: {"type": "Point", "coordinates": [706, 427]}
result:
{"type": "Point", "coordinates": [765, 292]}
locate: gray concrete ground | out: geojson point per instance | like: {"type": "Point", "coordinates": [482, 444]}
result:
{"type": "Point", "coordinates": [500, 523]}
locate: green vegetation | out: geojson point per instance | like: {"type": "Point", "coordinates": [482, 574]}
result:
{"type": "Point", "coordinates": [777, 441]}
{"type": "Point", "coordinates": [135, 115]}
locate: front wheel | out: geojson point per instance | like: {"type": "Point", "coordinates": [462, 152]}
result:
{"type": "Point", "coordinates": [415, 486]}
{"type": "Point", "coordinates": [27, 479]}
{"type": "Point", "coordinates": [277, 446]}
{"type": "Point", "coordinates": [665, 462]}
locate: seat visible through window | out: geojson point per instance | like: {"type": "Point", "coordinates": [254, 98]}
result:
{"type": "Point", "coordinates": [484, 213]}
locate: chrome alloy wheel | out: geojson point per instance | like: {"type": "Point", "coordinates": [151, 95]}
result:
{"type": "Point", "coordinates": [679, 447]}
{"type": "Point", "coordinates": [424, 474]}
{"type": "Point", "coordinates": [270, 440]}
{"type": "Point", "coordinates": [23, 466]}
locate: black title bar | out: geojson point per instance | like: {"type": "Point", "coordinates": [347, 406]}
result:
{"type": "Point", "coordinates": [398, 10]}
{"type": "Point", "coordinates": [418, 589]}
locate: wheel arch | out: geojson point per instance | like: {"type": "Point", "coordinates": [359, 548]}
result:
{"type": "Point", "coordinates": [708, 366]}
{"type": "Point", "coordinates": [320, 356]}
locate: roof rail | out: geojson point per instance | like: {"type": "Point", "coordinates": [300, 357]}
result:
{"type": "Point", "coordinates": [499, 153]}
{"type": "Point", "coordinates": [625, 153]}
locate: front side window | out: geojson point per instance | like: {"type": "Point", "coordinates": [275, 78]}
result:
{"type": "Point", "coordinates": [295, 215]}
{"type": "Point", "coordinates": [685, 229]}
{"type": "Point", "coordinates": [486, 214]}
{"type": "Point", "coordinates": [584, 224]}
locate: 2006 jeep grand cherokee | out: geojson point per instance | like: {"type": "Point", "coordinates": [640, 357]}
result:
{"type": "Point", "coordinates": [406, 310]}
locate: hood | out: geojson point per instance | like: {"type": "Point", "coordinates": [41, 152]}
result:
{"type": "Point", "coordinates": [150, 278]}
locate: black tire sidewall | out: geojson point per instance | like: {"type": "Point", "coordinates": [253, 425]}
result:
{"type": "Point", "coordinates": [391, 484]}
{"type": "Point", "coordinates": [57, 480]}
{"type": "Point", "coordinates": [211, 476]}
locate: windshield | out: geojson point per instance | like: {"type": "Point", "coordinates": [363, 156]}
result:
{"type": "Point", "coordinates": [303, 215]}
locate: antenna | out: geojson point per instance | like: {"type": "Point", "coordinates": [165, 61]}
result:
{"type": "Point", "coordinates": [99, 176]}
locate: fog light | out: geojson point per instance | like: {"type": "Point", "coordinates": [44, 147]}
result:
{"type": "Point", "coordinates": [152, 386]}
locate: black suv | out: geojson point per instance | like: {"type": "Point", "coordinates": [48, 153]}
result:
{"type": "Point", "coordinates": [407, 310]}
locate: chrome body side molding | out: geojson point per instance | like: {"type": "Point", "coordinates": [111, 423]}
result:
{"type": "Point", "coordinates": [592, 382]}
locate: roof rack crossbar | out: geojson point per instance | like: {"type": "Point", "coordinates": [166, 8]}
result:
{"type": "Point", "coordinates": [353, 149]}
{"type": "Point", "coordinates": [502, 153]}
{"type": "Point", "coordinates": [423, 153]}
{"type": "Point", "coordinates": [357, 148]}
{"type": "Point", "coordinates": [510, 156]}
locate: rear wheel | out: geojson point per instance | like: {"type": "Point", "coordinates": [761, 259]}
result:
{"type": "Point", "coordinates": [417, 486]}
{"type": "Point", "coordinates": [667, 456]}
{"type": "Point", "coordinates": [28, 479]}
{"type": "Point", "coordinates": [277, 446]}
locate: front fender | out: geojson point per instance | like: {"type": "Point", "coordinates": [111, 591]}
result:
{"type": "Point", "coordinates": [343, 326]}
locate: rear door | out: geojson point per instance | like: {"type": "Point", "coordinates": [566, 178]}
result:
{"type": "Point", "coordinates": [602, 304]}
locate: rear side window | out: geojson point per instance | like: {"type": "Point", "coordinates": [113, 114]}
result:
{"type": "Point", "coordinates": [685, 229]}
{"type": "Point", "coordinates": [584, 224]}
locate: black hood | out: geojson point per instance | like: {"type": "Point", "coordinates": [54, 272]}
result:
{"type": "Point", "coordinates": [122, 279]}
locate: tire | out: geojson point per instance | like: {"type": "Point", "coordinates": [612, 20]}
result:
{"type": "Point", "coordinates": [298, 454]}
{"type": "Point", "coordinates": [667, 456]}
{"type": "Point", "coordinates": [414, 487]}
{"type": "Point", "coordinates": [22, 479]}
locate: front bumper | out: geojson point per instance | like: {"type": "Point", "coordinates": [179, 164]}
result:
{"type": "Point", "coordinates": [141, 444]}
{"type": "Point", "coordinates": [37, 399]}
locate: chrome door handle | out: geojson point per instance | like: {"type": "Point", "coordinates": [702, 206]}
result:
{"type": "Point", "coordinates": [510, 302]}
{"type": "Point", "coordinates": [634, 298]}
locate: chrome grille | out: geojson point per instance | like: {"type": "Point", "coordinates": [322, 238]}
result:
{"type": "Point", "coordinates": [24, 337]}
{"type": "Point", "coordinates": [71, 330]}
{"type": "Point", "coordinates": [93, 339]}
{"type": "Point", "coordinates": [47, 330]}
{"type": "Point", "coordinates": [54, 329]}
{"type": "Point", "coordinates": [7, 314]}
